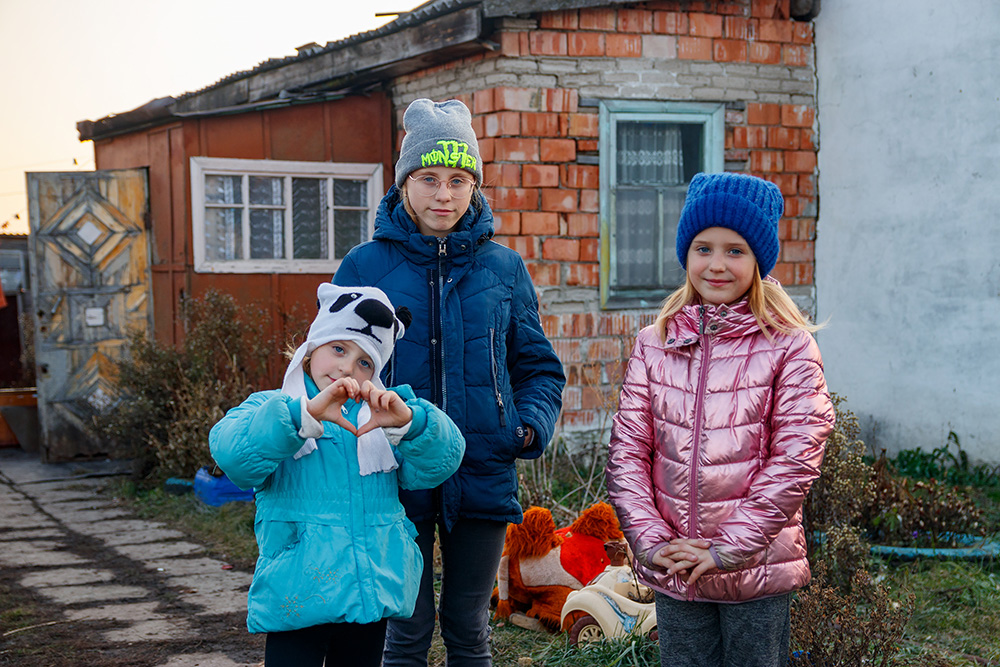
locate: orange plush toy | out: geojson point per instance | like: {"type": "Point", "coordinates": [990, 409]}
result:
{"type": "Point", "coordinates": [541, 565]}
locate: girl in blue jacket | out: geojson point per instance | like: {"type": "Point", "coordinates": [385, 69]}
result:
{"type": "Point", "coordinates": [476, 349]}
{"type": "Point", "coordinates": [327, 455]}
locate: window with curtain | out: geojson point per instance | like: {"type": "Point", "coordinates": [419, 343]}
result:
{"type": "Point", "coordinates": [270, 216]}
{"type": "Point", "coordinates": [648, 154]}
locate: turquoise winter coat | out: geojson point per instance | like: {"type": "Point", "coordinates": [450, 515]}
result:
{"type": "Point", "coordinates": [335, 547]}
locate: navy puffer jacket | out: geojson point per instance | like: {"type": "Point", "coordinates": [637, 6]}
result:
{"type": "Point", "coordinates": [475, 349]}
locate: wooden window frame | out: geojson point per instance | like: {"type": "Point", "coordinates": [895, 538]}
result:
{"type": "Point", "coordinates": [711, 116]}
{"type": "Point", "coordinates": [285, 169]}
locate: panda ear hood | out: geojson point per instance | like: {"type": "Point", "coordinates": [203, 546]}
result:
{"type": "Point", "coordinates": [363, 315]}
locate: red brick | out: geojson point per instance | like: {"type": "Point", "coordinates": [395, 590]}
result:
{"type": "Point", "coordinates": [783, 273]}
{"type": "Point", "coordinates": [623, 46]}
{"type": "Point", "coordinates": [807, 139]}
{"type": "Point", "coordinates": [737, 27]}
{"type": "Point", "coordinates": [586, 44]}
{"type": "Point", "coordinates": [670, 23]}
{"type": "Point", "coordinates": [807, 185]}
{"type": "Point", "coordinates": [543, 274]}
{"type": "Point", "coordinates": [635, 20]}
{"type": "Point", "coordinates": [561, 250]}
{"type": "Point", "coordinates": [586, 145]}
{"type": "Point", "coordinates": [800, 161]}
{"type": "Point", "coordinates": [588, 275]}
{"type": "Point", "coordinates": [764, 114]}
{"type": "Point", "coordinates": [732, 7]}
{"type": "Point", "coordinates": [525, 246]}
{"type": "Point", "coordinates": [547, 43]}
{"type": "Point", "coordinates": [501, 175]}
{"type": "Point", "coordinates": [785, 229]}
{"type": "Point", "coordinates": [583, 224]}
{"type": "Point", "coordinates": [805, 229]}
{"type": "Point", "coordinates": [558, 100]}
{"type": "Point", "coordinates": [783, 137]}
{"type": "Point", "coordinates": [705, 25]}
{"type": "Point", "coordinates": [516, 149]}
{"type": "Point", "coordinates": [769, 9]}
{"type": "Point", "coordinates": [514, 99]}
{"type": "Point", "coordinates": [540, 124]}
{"type": "Point", "coordinates": [517, 199]}
{"type": "Point", "coordinates": [694, 48]}
{"type": "Point", "coordinates": [482, 101]}
{"type": "Point", "coordinates": [802, 33]}
{"type": "Point", "coordinates": [590, 249]}
{"type": "Point", "coordinates": [737, 154]}
{"type": "Point", "coordinates": [539, 223]}
{"type": "Point", "coordinates": [560, 200]}
{"type": "Point", "coordinates": [767, 53]}
{"type": "Point", "coordinates": [590, 201]}
{"type": "Point", "coordinates": [729, 51]}
{"type": "Point", "coordinates": [581, 176]}
{"type": "Point", "coordinates": [562, 20]}
{"type": "Point", "coordinates": [769, 30]}
{"type": "Point", "coordinates": [804, 273]}
{"type": "Point", "coordinates": [798, 251]}
{"type": "Point", "coordinates": [766, 161]}
{"type": "Point", "coordinates": [598, 19]}
{"type": "Point", "coordinates": [507, 222]}
{"type": "Point", "coordinates": [556, 150]}
{"type": "Point", "coordinates": [540, 175]}
{"type": "Point", "coordinates": [750, 137]}
{"type": "Point", "coordinates": [787, 183]}
{"type": "Point", "coordinates": [486, 149]}
{"type": "Point", "coordinates": [795, 56]}
{"type": "Point", "coordinates": [503, 123]}
{"type": "Point", "coordinates": [584, 125]}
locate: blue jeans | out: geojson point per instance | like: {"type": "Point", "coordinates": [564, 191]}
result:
{"type": "Point", "coordinates": [709, 634]}
{"type": "Point", "coordinates": [470, 555]}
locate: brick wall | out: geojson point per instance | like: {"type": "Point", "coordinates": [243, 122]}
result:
{"type": "Point", "coordinates": [537, 140]}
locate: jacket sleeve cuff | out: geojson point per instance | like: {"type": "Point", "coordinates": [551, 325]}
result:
{"type": "Point", "coordinates": [309, 426]}
{"type": "Point", "coordinates": [715, 556]}
{"type": "Point", "coordinates": [645, 559]}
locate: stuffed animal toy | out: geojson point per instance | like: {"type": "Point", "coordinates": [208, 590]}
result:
{"type": "Point", "coordinates": [541, 565]}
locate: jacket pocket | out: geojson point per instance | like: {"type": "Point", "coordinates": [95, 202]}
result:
{"type": "Point", "coordinates": [276, 537]}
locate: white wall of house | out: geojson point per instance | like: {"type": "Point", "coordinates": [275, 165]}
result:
{"type": "Point", "coordinates": [908, 245]}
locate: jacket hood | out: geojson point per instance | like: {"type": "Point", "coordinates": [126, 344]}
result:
{"type": "Point", "coordinates": [393, 223]}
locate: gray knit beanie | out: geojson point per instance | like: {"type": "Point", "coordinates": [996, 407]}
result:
{"type": "Point", "coordinates": [438, 134]}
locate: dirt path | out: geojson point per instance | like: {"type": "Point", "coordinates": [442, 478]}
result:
{"type": "Point", "coordinates": [84, 582]}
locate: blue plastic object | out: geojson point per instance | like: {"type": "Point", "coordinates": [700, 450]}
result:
{"type": "Point", "coordinates": [216, 491]}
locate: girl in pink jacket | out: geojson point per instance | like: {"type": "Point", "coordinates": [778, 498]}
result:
{"type": "Point", "coordinates": [719, 434]}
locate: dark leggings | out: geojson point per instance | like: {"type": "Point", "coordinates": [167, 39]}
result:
{"type": "Point", "coordinates": [346, 644]}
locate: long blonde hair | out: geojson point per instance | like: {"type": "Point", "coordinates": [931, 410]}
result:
{"type": "Point", "coordinates": [770, 304]}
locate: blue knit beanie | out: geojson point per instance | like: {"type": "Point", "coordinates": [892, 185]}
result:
{"type": "Point", "coordinates": [748, 205]}
{"type": "Point", "coordinates": [438, 134]}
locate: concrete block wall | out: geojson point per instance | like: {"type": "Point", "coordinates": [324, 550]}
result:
{"type": "Point", "coordinates": [534, 107]}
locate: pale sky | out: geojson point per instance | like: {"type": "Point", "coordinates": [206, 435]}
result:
{"type": "Point", "coordinates": [63, 61]}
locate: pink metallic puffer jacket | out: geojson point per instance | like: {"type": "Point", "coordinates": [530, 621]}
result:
{"type": "Point", "coordinates": [719, 435]}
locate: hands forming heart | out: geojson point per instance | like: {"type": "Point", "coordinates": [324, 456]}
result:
{"type": "Point", "coordinates": [387, 408]}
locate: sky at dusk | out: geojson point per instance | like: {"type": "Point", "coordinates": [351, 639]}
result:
{"type": "Point", "coordinates": [63, 61]}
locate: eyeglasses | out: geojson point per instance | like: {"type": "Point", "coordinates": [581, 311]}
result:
{"type": "Point", "coordinates": [428, 186]}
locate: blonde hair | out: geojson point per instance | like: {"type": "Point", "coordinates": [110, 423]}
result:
{"type": "Point", "coordinates": [771, 306]}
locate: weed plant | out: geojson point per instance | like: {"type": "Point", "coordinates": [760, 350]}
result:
{"type": "Point", "coordinates": [169, 399]}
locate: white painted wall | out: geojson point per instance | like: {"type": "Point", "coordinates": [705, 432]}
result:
{"type": "Point", "coordinates": [908, 234]}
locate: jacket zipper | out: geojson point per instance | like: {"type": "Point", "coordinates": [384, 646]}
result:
{"type": "Point", "coordinates": [442, 255]}
{"type": "Point", "coordinates": [699, 409]}
{"type": "Point", "coordinates": [496, 380]}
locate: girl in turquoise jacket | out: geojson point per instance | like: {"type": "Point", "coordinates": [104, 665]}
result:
{"type": "Point", "coordinates": [327, 455]}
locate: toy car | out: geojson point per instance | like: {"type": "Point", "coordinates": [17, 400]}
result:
{"type": "Point", "coordinates": [613, 604]}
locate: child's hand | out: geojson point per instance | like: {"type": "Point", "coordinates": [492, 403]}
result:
{"type": "Point", "coordinates": [387, 408]}
{"type": "Point", "coordinates": [327, 404]}
{"type": "Point", "coordinates": [691, 558]}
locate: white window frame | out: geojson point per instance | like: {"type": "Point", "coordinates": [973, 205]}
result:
{"type": "Point", "coordinates": [202, 166]}
{"type": "Point", "coordinates": [712, 118]}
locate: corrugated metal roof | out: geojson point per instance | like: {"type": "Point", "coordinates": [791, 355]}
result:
{"type": "Point", "coordinates": [425, 12]}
